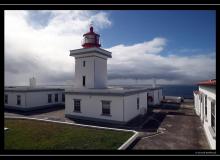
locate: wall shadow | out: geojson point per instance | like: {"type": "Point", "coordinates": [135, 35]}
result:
{"type": "Point", "coordinates": [36, 111]}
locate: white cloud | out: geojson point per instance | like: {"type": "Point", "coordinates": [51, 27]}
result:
{"type": "Point", "coordinates": [45, 48]}
{"type": "Point", "coordinates": [145, 61]}
{"type": "Point", "coordinates": [44, 51]}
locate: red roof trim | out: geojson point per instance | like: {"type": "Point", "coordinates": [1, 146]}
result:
{"type": "Point", "coordinates": [208, 82]}
{"type": "Point", "coordinates": [91, 33]}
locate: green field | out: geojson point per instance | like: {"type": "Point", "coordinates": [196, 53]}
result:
{"type": "Point", "coordinates": [38, 135]}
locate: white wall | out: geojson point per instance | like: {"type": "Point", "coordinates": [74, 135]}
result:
{"type": "Point", "coordinates": [130, 103]}
{"type": "Point", "coordinates": [160, 95]}
{"type": "Point", "coordinates": [211, 93]}
{"type": "Point", "coordinates": [95, 70]}
{"type": "Point", "coordinates": [33, 99]}
{"type": "Point", "coordinates": [122, 108]}
{"type": "Point", "coordinates": [156, 97]}
{"type": "Point", "coordinates": [196, 103]}
{"type": "Point", "coordinates": [87, 71]}
{"type": "Point", "coordinates": [91, 106]}
{"type": "Point", "coordinates": [12, 99]}
{"type": "Point", "coordinates": [100, 72]}
{"type": "Point", "coordinates": [41, 98]}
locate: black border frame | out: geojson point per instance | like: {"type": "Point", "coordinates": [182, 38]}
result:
{"type": "Point", "coordinates": [194, 153]}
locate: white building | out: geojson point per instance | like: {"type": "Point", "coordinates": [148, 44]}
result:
{"type": "Point", "coordinates": [205, 107]}
{"type": "Point", "coordinates": [26, 98]}
{"type": "Point", "coordinates": [92, 99]}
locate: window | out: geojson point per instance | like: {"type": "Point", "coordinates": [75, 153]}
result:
{"type": "Point", "coordinates": [206, 107]}
{"type": "Point", "coordinates": [84, 80]}
{"type": "Point", "coordinates": [106, 108]}
{"type": "Point", "coordinates": [77, 105]}
{"type": "Point", "coordinates": [18, 100]}
{"type": "Point", "coordinates": [49, 98]}
{"type": "Point", "coordinates": [56, 97]}
{"type": "Point", "coordinates": [138, 101]}
{"type": "Point", "coordinates": [63, 97]}
{"type": "Point", "coordinates": [6, 99]}
{"type": "Point", "coordinates": [213, 115]}
{"type": "Point", "coordinates": [84, 63]}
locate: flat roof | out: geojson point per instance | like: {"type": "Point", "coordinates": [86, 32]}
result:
{"type": "Point", "coordinates": [114, 91]}
{"type": "Point", "coordinates": [30, 89]}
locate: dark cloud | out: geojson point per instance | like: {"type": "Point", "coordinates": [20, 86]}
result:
{"type": "Point", "coordinates": [38, 19]}
{"type": "Point", "coordinates": [19, 65]}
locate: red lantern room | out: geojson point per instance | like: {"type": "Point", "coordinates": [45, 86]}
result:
{"type": "Point", "coordinates": [91, 39]}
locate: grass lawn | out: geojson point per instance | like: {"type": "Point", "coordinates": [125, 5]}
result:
{"type": "Point", "coordinates": [38, 135]}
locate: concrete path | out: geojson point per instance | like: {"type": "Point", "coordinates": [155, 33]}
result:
{"type": "Point", "coordinates": [178, 128]}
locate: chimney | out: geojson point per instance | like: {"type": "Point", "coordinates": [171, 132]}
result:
{"type": "Point", "coordinates": [32, 82]}
{"type": "Point", "coordinates": [154, 83]}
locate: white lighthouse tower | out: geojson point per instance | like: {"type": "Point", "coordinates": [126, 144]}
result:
{"type": "Point", "coordinates": [92, 99]}
{"type": "Point", "coordinates": [90, 62]}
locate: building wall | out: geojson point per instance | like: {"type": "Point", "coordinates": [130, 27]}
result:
{"type": "Point", "coordinates": [130, 105]}
{"type": "Point", "coordinates": [41, 98]}
{"type": "Point", "coordinates": [157, 96]}
{"type": "Point", "coordinates": [199, 102]}
{"type": "Point", "coordinates": [12, 99]}
{"type": "Point", "coordinates": [91, 106]}
{"type": "Point", "coordinates": [160, 95]}
{"type": "Point", "coordinates": [33, 99]}
{"type": "Point", "coordinates": [100, 72]}
{"type": "Point", "coordinates": [123, 108]}
{"type": "Point", "coordinates": [211, 94]}
{"type": "Point", "coordinates": [87, 71]}
{"type": "Point", "coordinates": [196, 103]}
{"type": "Point", "coordinates": [95, 71]}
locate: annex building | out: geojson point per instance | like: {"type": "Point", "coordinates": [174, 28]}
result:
{"type": "Point", "coordinates": [205, 107]}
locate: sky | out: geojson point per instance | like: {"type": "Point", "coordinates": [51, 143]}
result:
{"type": "Point", "coordinates": [171, 46]}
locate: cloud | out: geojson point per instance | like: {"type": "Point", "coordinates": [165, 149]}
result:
{"type": "Point", "coordinates": [144, 61]}
{"type": "Point", "coordinates": [38, 43]}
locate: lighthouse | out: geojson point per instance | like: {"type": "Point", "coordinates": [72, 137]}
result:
{"type": "Point", "coordinates": [90, 62]}
{"type": "Point", "coordinates": [92, 99]}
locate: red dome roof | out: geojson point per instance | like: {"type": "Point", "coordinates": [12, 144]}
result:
{"type": "Point", "coordinates": [91, 32]}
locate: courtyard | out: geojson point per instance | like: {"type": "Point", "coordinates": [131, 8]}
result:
{"type": "Point", "coordinates": [165, 127]}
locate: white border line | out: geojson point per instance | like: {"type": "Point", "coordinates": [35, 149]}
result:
{"type": "Point", "coordinates": [122, 147]}
{"type": "Point", "coordinates": [129, 141]}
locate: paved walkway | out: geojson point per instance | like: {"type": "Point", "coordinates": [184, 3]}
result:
{"type": "Point", "coordinates": [178, 128]}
